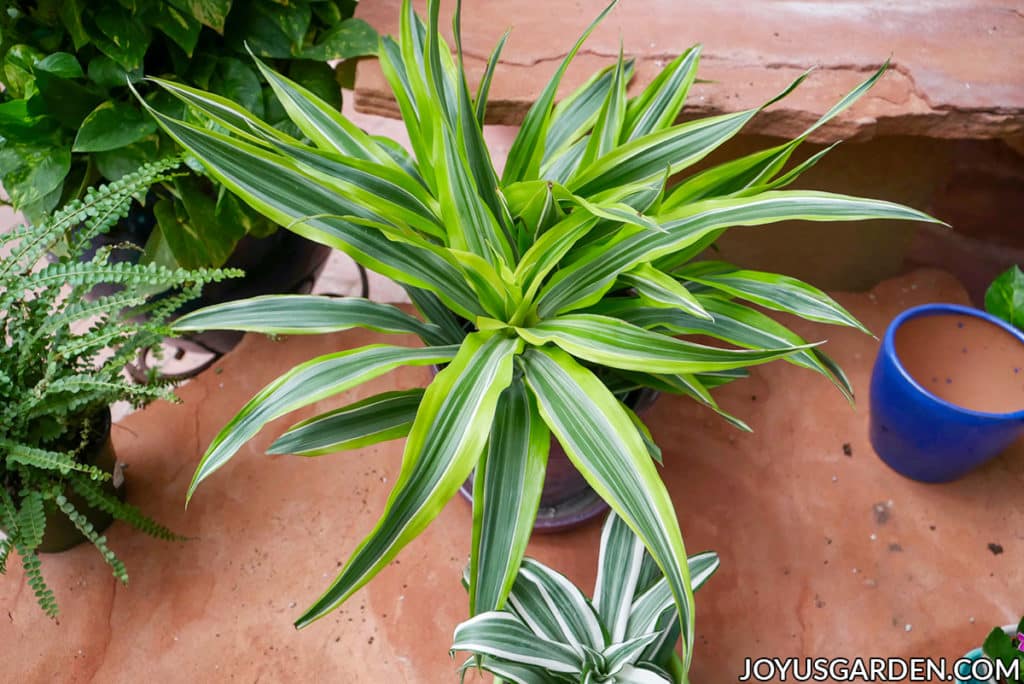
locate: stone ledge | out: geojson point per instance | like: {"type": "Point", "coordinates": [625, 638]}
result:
{"type": "Point", "coordinates": [958, 72]}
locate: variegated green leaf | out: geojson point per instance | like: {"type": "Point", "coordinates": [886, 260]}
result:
{"type": "Point", "coordinates": [618, 571]}
{"type": "Point", "coordinates": [608, 128]}
{"type": "Point", "coordinates": [303, 315]}
{"type": "Point", "coordinates": [733, 323]}
{"type": "Point", "coordinates": [776, 292]}
{"type": "Point", "coordinates": [658, 106]}
{"type": "Point", "coordinates": [661, 290]}
{"type": "Point", "coordinates": [625, 652]}
{"type": "Point", "coordinates": [484, 88]}
{"type": "Point", "coordinates": [617, 344]}
{"type": "Point", "coordinates": [576, 114]}
{"type": "Point", "coordinates": [445, 441]}
{"type": "Point", "coordinates": [524, 157]}
{"type": "Point", "coordinates": [307, 384]}
{"type": "Point", "coordinates": [594, 270]}
{"type": "Point", "coordinates": [506, 495]}
{"type": "Point", "coordinates": [603, 444]}
{"type": "Point", "coordinates": [376, 419]}
{"type": "Point", "coordinates": [555, 608]}
{"type": "Point", "coordinates": [322, 123]}
{"type": "Point", "coordinates": [504, 636]}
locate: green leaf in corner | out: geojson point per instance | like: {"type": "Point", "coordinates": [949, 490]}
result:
{"type": "Point", "coordinates": [71, 12]}
{"type": "Point", "coordinates": [60, 64]}
{"type": "Point", "coordinates": [210, 13]}
{"type": "Point", "coordinates": [112, 125]}
{"type": "Point", "coordinates": [122, 36]}
{"type": "Point", "coordinates": [41, 174]}
{"type": "Point", "coordinates": [348, 39]}
{"type": "Point", "coordinates": [1005, 297]}
{"type": "Point", "coordinates": [177, 25]}
{"type": "Point", "coordinates": [103, 71]}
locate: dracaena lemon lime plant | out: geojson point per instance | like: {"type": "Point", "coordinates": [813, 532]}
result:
{"type": "Point", "coordinates": [550, 633]}
{"type": "Point", "coordinates": [542, 289]}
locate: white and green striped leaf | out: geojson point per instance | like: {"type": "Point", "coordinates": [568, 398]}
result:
{"type": "Point", "coordinates": [303, 315]}
{"type": "Point", "coordinates": [502, 635]}
{"type": "Point", "coordinates": [376, 419]}
{"type": "Point", "coordinates": [606, 448]}
{"type": "Point", "coordinates": [659, 289]}
{"type": "Point", "coordinates": [733, 323]}
{"type": "Point", "coordinates": [555, 608]}
{"type": "Point", "coordinates": [614, 343]}
{"type": "Point", "coordinates": [604, 137]}
{"type": "Point", "coordinates": [506, 496]}
{"type": "Point", "coordinates": [658, 106]}
{"type": "Point", "coordinates": [594, 270]}
{"type": "Point", "coordinates": [445, 442]}
{"type": "Point", "coordinates": [625, 652]}
{"type": "Point", "coordinates": [576, 114]}
{"type": "Point", "coordinates": [306, 384]}
{"type": "Point", "coordinates": [618, 571]}
{"type": "Point", "coordinates": [776, 292]}
{"type": "Point", "coordinates": [527, 151]}
{"type": "Point", "coordinates": [322, 123]}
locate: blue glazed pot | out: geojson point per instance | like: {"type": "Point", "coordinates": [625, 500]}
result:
{"type": "Point", "coordinates": [923, 436]}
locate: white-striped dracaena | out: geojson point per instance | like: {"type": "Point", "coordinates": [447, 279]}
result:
{"type": "Point", "coordinates": [545, 291]}
{"type": "Point", "coordinates": [550, 633]}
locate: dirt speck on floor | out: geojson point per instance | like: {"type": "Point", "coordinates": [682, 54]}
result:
{"type": "Point", "coordinates": [881, 512]}
{"type": "Point", "coordinates": [996, 549]}
{"type": "Point", "coordinates": [847, 450]}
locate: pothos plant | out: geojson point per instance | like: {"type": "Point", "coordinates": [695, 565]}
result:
{"type": "Point", "coordinates": [550, 633]}
{"type": "Point", "coordinates": [546, 291]}
{"type": "Point", "coordinates": [68, 120]}
{"type": "Point", "coordinates": [62, 365]}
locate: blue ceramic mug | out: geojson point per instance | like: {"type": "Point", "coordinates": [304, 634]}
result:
{"type": "Point", "coordinates": [947, 391]}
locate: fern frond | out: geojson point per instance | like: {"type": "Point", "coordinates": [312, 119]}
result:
{"type": "Point", "coordinates": [31, 519]}
{"type": "Point", "coordinates": [90, 533]}
{"type": "Point", "coordinates": [34, 576]}
{"type": "Point", "coordinates": [96, 213]}
{"type": "Point", "coordinates": [98, 498]}
{"type": "Point", "coordinates": [45, 459]}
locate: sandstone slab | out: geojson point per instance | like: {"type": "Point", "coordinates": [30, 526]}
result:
{"type": "Point", "coordinates": [957, 67]}
{"type": "Point", "coordinates": [824, 552]}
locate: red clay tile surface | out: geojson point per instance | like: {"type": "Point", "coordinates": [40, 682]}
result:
{"type": "Point", "coordinates": [958, 67]}
{"type": "Point", "coordinates": [823, 553]}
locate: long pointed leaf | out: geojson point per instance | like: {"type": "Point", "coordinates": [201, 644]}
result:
{"type": "Point", "coordinates": [504, 636]}
{"type": "Point", "coordinates": [446, 440]}
{"type": "Point", "coordinates": [606, 448]}
{"type": "Point", "coordinates": [307, 384]}
{"type": "Point", "coordinates": [614, 343]}
{"type": "Point", "coordinates": [618, 570]}
{"type": "Point", "coordinates": [527, 149]}
{"type": "Point", "coordinates": [303, 315]}
{"type": "Point", "coordinates": [506, 495]}
{"type": "Point", "coordinates": [376, 419]}
{"type": "Point", "coordinates": [594, 270]}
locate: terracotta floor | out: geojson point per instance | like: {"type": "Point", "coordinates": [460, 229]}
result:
{"type": "Point", "coordinates": [822, 553]}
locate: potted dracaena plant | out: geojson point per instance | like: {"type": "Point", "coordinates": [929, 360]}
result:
{"type": "Point", "coordinates": [61, 368]}
{"type": "Point", "coordinates": [550, 632]}
{"type": "Point", "coordinates": [547, 291]}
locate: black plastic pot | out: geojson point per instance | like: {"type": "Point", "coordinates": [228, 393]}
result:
{"type": "Point", "coordinates": [61, 534]}
{"type": "Point", "coordinates": [566, 500]}
{"type": "Point", "coordinates": [282, 263]}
